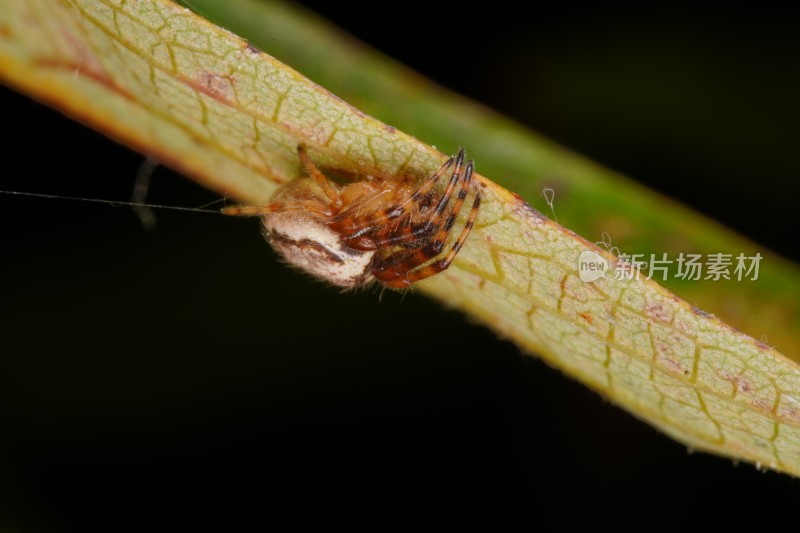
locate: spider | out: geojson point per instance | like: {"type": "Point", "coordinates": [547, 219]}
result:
{"type": "Point", "coordinates": [384, 230]}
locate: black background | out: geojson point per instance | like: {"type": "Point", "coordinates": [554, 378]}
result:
{"type": "Point", "coordinates": [183, 376]}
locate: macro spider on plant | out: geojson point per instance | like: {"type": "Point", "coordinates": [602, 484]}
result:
{"type": "Point", "coordinates": [385, 230]}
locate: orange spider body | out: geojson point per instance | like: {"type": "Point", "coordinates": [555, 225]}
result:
{"type": "Point", "coordinates": [389, 231]}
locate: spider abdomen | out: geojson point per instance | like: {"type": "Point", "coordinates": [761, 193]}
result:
{"type": "Point", "coordinates": [307, 242]}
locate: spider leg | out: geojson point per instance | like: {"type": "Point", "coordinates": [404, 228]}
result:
{"type": "Point", "coordinates": [423, 230]}
{"type": "Point", "coordinates": [426, 187]}
{"type": "Point", "coordinates": [360, 230]}
{"type": "Point", "coordinates": [448, 192]}
{"type": "Point", "coordinates": [404, 207]}
{"type": "Point", "coordinates": [397, 271]}
{"type": "Point", "coordinates": [251, 210]}
{"type": "Point", "coordinates": [274, 207]}
{"type": "Point", "coordinates": [458, 204]}
{"type": "Point", "coordinates": [318, 176]}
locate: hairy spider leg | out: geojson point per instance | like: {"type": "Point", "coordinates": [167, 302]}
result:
{"type": "Point", "coordinates": [319, 177]}
{"type": "Point", "coordinates": [274, 207]}
{"type": "Point", "coordinates": [251, 210]}
{"type": "Point", "coordinates": [402, 274]}
{"type": "Point", "coordinates": [397, 270]}
{"type": "Point", "coordinates": [363, 230]}
{"type": "Point", "coordinates": [422, 230]}
{"type": "Point", "coordinates": [405, 206]}
{"type": "Point", "coordinates": [428, 185]}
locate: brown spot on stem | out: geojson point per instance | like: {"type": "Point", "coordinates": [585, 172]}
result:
{"type": "Point", "coordinates": [214, 85]}
{"type": "Point", "coordinates": [744, 385]}
{"type": "Point", "coordinates": [763, 405]}
{"type": "Point", "coordinates": [789, 413]}
{"type": "Point", "coordinates": [699, 312]}
{"type": "Point", "coordinates": [658, 312]}
{"type": "Point", "coordinates": [522, 208]}
{"type": "Point", "coordinates": [673, 364]}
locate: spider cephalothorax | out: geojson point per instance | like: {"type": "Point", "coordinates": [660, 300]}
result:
{"type": "Point", "coordinates": [387, 230]}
